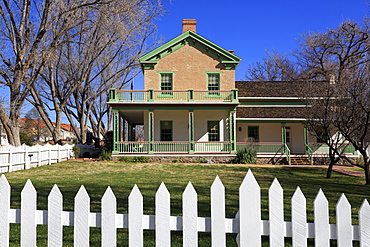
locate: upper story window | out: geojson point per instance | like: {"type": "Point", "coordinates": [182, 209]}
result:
{"type": "Point", "coordinates": [213, 82]}
{"type": "Point", "coordinates": [166, 82]}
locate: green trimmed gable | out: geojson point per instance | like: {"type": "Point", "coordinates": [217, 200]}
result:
{"type": "Point", "coordinates": [229, 60]}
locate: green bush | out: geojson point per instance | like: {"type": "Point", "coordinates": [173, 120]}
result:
{"type": "Point", "coordinates": [202, 160]}
{"type": "Point", "coordinates": [105, 155]}
{"type": "Point", "coordinates": [108, 141]}
{"type": "Point", "coordinates": [25, 139]}
{"type": "Point", "coordinates": [139, 159]}
{"type": "Point", "coordinates": [76, 151]}
{"type": "Point", "coordinates": [246, 156]}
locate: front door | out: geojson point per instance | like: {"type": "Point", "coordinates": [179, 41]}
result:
{"type": "Point", "coordinates": [289, 138]}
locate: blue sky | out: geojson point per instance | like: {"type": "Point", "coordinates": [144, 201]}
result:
{"type": "Point", "coordinates": [250, 27]}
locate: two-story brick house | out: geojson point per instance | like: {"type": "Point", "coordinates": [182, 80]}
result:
{"type": "Point", "coordinates": [191, 107]}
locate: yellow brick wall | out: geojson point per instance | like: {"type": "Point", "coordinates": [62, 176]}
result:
{"type": "Point", "coordinates": [189, 65]}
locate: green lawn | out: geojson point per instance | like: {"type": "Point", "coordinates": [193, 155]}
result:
{"type": "Point", "coordinates": [96, 176]}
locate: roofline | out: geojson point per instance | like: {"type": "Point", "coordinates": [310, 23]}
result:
{"type": "Point", "coordinates": [147, 58]}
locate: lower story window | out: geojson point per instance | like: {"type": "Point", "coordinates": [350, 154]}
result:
{"type": "Point", "coordinates": [166, 131]}
{"type": "Point", "coordinates": [213, 131]}
{"type": "Point", "coordinates": [253, 133]}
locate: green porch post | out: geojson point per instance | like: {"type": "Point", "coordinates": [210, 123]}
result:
{"type": "Point", "coordinates": [305, 138]}
{"type": "Point", "coordinates": [232, 132]}
{"type": "Point", "coordinates": [115, 132]}
{"type": "Point", "coordinates": [191, 131]}
{"type": "Point", "coordinates": [151, 131]}
{"type": "Point", "coordinates": [113, 95]}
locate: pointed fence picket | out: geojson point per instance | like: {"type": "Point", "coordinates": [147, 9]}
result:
{"type": "Point", "coordinates": [247, 224]}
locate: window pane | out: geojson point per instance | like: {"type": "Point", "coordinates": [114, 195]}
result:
{"type": "Point", "coordinates": [166, 82]}
{"type": "Point", "coordinates": [213, 82]}
{"type": "Point", "coordinates": [253, 133]}
{"type": "Point", "coordinates": [213, 131]}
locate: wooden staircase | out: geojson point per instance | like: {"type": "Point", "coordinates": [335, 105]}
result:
{"type": "Point", "coordinates": [299, 160]}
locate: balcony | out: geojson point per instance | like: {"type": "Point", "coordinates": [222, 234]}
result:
{"type": "Point", "coordinates": [121, 96]}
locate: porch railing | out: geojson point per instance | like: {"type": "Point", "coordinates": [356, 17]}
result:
{"type": "Point", "coordinates": [322, 148]}
{"type": "Point", "coordinates": [261, 147]}
{"type": "Point", "coordinates": [212, 147]}
{"type": "Point", "coordinates": [173, 96]}
{"type": "Point", "coordinates": [172, 147]}
{"type": "Point", "coordinates": [308, 151]}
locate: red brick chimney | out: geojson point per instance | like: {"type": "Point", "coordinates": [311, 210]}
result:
{"type": "Point", "coordinates": [189, 24]}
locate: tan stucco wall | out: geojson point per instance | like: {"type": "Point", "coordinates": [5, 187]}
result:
{"type": "Point", "coordinates": [189, 65]}
{"type": "Point", "coordinates": [180, 120]}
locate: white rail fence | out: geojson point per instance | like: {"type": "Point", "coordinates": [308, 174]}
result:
{"type": "Point", "coordinates": [247, 223]}
{"type": "Point", "coordinates": [24, 157]}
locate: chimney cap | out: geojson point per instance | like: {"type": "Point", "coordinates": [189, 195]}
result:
{"type": "Point", "coordinates": [189, 25]}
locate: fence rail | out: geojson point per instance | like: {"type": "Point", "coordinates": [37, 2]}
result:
{"type": "Point", "coordinates": [24, 157]}
{"type": "Point", "coordinates": [247, 224]}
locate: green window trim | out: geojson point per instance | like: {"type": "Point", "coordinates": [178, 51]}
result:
{"type": "Point", "coordinates": [253, 133]}
{"type": "Point", "coordinates": [213, 128]}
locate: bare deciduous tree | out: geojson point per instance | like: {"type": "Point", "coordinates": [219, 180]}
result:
{"type": "Point", "coordinates": [100, 53]}
{"type": "Point", "coordinates": [30, 33]}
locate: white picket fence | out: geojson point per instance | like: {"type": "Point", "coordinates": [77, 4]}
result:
{"type": "Point", "coordinates": [247, 223]}
{"type": "Point", "coordinates": [24, 157]}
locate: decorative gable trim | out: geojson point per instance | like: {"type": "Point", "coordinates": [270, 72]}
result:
{"type": "Point", "coordinates": [229, 60]}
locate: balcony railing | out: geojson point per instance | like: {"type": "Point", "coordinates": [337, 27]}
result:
{"type": "Point", "coordinates": [173, 96]}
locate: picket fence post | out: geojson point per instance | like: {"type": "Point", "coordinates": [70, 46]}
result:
{"type": "Point", "coordinates": [162, 219]}
{"type": "Point", "coordinates": [276, 214]}
{"type": "Point", "coordinates": [5, 211]}
{"type": "Point", "coordinates": [55, 217]}
{"type": "Point", "coordinates": [28, 215]}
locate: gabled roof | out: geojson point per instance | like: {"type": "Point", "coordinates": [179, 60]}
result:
{"type": "Point", "coordinates": [229, 60]}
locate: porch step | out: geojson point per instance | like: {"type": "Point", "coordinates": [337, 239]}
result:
{"type": "Point", "coordinates": [299, 160]}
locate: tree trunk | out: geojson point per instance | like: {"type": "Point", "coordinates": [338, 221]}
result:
{"type": "Point", "coordinates": [366, 169]}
